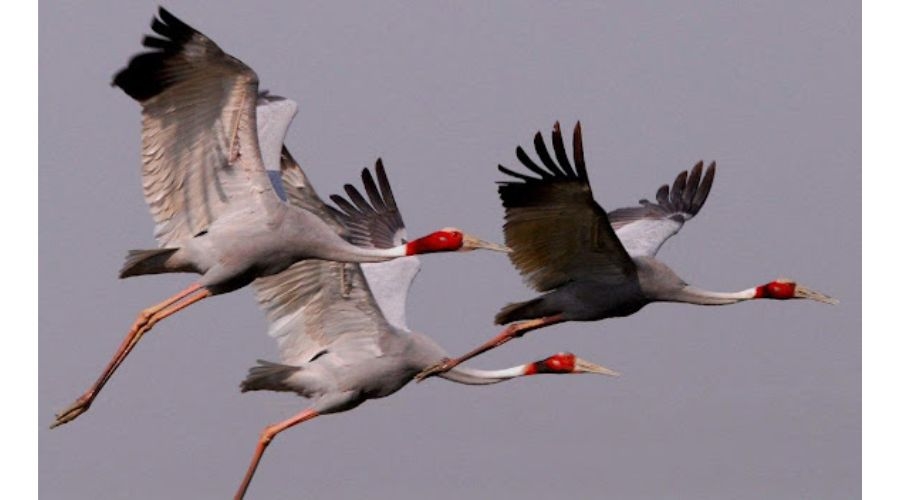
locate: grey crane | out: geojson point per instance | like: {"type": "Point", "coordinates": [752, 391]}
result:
{"type": "Point", "coordinates": [205, 183]}
{"type": "Point", "coordinates": [337, 344]}
{"type": "Point", "coordinates": [592, 265]}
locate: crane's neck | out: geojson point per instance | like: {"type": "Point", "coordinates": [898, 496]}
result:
{"type": "Point", "coordinates": [560, 363]}
{"type": "Point", "coordinates": [470, 376]}
{"type": "Point", "coordinates": [693, 295]}
{"type": "Point", "coordinates": [434, 242]}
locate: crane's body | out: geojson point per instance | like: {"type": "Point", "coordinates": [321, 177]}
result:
{"type": "Point", "coordinates": [590, 264]}
{"type": "Point", "coordinates": [205, 182]}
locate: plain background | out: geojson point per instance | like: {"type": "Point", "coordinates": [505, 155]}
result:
{"type": "Point", "coordinates": [748, 401]}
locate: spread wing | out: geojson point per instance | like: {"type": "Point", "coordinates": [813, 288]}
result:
{"type": "Point", "coordinates": [556, 231]}
{"type": "Point", "coordinates": [645, 228]}
{"type": "Point", "coordinates": [376, 223]}
{"type": "Point", "coordinates": [199, 144]}
{"type": "Point", "coordinates": [318, 305]}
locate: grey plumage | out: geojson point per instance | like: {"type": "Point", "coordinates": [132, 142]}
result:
{"type": "Point", "coordinates": [591, 264]}
{"type": "Point", "coordinates": [595, 265]}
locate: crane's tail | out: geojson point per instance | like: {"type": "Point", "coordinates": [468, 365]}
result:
{"type": "Point", "coordinates": [268, 376]}
{"type": "Point", "coordinates": [155, 261]}
{"type": "Point", "coordinates": [517, 311]}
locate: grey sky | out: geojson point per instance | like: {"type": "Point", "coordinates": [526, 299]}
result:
{"type": "Point", "coordinates": [758, 400]}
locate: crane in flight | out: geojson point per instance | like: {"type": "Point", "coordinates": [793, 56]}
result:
{"type": "Point", "coordinates": [590, 264]}
{"type": "Point", "coordinates": [206, 186]}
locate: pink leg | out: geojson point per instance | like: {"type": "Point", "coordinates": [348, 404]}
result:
{"type": "Point", "coordinates": [512, 331]}
{"type": "Point", "coordinates": [267, 436]}
{"type": "Point", "coordinates": [145, 321]}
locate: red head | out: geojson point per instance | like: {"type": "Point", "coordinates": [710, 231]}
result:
{"type": "Point", "coordinates": [566, 362]}
{"type": "Point", "coordinates": [438, 241]}
{"type": "Point", "coordinates": [783, 289]}
{"type": "Point", "coordinates": [449, 239]}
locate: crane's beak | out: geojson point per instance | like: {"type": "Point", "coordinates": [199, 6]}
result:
{"type": "Point", "coordinates": [582, 366]}
{"type": "Point", "coordinates": [472, 243]}
{"type": "Point", "coordinates": [801, 292]}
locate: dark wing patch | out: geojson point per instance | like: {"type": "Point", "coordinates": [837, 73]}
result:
{"type": "Point", "coordinates": [643, 229]}
{"type": "Point", "coordinates": [556, 231]}
{"type": "Point", "coordinates": [149, 74]}
{"type": "Point", "coordinates": [374, 222]}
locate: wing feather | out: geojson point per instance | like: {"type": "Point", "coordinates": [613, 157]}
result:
{"type": "Point", "coordinates": [199, 141]}
{"type": "Point", "coordinates": [556, 231]}
{"type": "Point", "coordinates": [318, 305]}
{"type": "Point", "coordinates": [644, 229]}
{"type": "Point", "coordinates": [377, 223]}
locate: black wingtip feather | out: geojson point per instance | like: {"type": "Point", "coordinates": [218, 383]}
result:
{"type": "Point", "coordinates": [541, 148]}
{"type": "Point", "coordinates": [689, 191]}
{"type": "Point", "coordinates": [372, 191]}
{"type": "Point", "coordinates": [580, 166]}
{"type": "Point", "coordinates": [560, 149]}
{"type": "Point", "coordinates": [678, 186]}
{"type": "Point", "coordinates": [145, 75]}
{"type": "Point", "coordinates": [552, 171]}
{"type": "Point", "coordinates": [703, 190]}
{"type": "Point", "coordinates": [515, 174]}
{"type": "Point", "coordinates": [344, 205]}
{"type": "Point", "coordinates": [357, 198]}
{"type": "Point", "coordinates": [529, 164]}
{"type": "Point", "coordinates": [387, 194]}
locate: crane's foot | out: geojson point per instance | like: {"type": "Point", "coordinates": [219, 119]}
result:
{"type": "Point", "coordinates": [436, 369]}
{"type": "Point", "coordinates": [80, 406]}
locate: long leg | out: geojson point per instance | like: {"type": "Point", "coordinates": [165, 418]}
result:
{"type": "Point", "coordinates": [145, 321]}
{"type": "Point", "coordinates": [514, 330]}
{"type": "Point", "coordinates": [267, 436]}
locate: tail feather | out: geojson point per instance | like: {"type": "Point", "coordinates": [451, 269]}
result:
{"type": "Point", "coordinates": [154, 261]}
{"type": "Point", "coordinates": [268, 376]}
{"type": "Point", "coordinates": [518, 311]}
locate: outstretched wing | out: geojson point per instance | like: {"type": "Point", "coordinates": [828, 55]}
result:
{"type": "Point", "coordinates": [199, 144]}
{"type": "Point", "coordinates": [556, 231]}
{"type": "Point", "coordinates": [377, 223]}
{"type": "Point", "coordinates": [316, 305]}
{"type": "Point", "coordinates": [643, 229]}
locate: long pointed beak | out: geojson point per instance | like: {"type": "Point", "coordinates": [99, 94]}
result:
{"type": "Point", "coordinates": [801, 292]}
{"type": "Point", "coordinates": [582, 366]}
{"type": "Point", "coordinates": [471, 243]}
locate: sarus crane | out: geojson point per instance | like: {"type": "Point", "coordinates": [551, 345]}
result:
{"type": "Point", "coordinates": [338, 345]}
{"type": "Point", "coordinates": [592, 265]}
{"type": "Point", "coordinates": [205, 182]}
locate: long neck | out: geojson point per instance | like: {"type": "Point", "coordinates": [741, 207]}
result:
{"type": "Point", "coordinates": [342, 251]}
{"type": "Point", "coordinates": [434, 242]}
{"type": "Point", "coordinates": [471, 376]}
{"type": "Point", "coordinates": [693, 295]}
